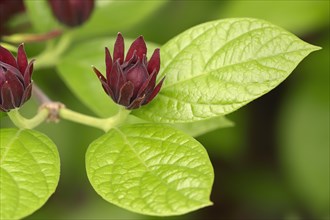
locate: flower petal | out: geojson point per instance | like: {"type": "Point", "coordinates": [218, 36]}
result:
{"type": "Point", "coordinates": [11, 68]}
{"type": "Point", "coordinates": [138, 74]}
{"type": "Point", "coordinates": [148, 85]}
{"type": "Point", "coordinates": [154, 92]}
{"type": "Point", "coordinates": [61, 10]}
{"type": "Point", "coordinates": [136, 103]}
{"type": "Point", "coordinates": [103, 81]}
{"type": "Point", "coordinates": [127, 65]}
{"type": "Point", "coordinates": [22, 60]}
{"type": "Point", "coordinates": [72, 12]}
{"type": "Point", "coordinates": [28, 73]}
{"type": "Point", "coordinates": [31, 68]}
{"type": "Point", "coordinates": [27, 94]}
{"type": "Point", "coordinates": [7, 57]}
{"type": "Point", "coordinates": [2, 76]}
{"type": "Point", "coordinates": [108, 90]}
{"type": "Point", "coordinates": [118, 51]}
{"type": "Point", "coordinates": [86, 7]}
{"type": "Point", "coordinates": [139, 46]}
{"type": "Point", "coordinates": [108, 62]}
{"type": "Point", "coordinates": [117, 79]}
{"type": "Point", "coordinates": [16, 88]}
{"type": "Point", "coordinates": [99, 74]}
{"type": "Point", "coordinates": [126, 93]}
{"type": "Point", "coordinates": [154, 62]}
{"type": "Point", "coordinates": [7, 99]}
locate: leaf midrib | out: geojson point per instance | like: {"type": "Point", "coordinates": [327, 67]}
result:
{"type": "Point", "coordinates": [222, 46]}
{"type": "Point", "coordinates": [234, 64]}
{"type": "Point", "coordinates": [152, 172]}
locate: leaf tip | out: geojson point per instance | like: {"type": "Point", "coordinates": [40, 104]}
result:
{"type": "Point", "coordinates": [317, 48]}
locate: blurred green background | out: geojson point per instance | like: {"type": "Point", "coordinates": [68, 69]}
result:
{"type": "Point", "coordinates": [273, 164]}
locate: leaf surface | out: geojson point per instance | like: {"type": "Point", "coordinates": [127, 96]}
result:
{"type": "Point", "coordinates": [217, 67]}
{"type": "Point", "coordinates": [29, 172]}
{"type": "Point", "coordinates": [150, 169]}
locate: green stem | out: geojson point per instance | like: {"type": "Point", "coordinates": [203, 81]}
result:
{"type": "Point", "coordinates": [104, 124]}
{"type": "Point", "coordinates": [52, 53]}
{"type": "Point", "coordinates": [25, 123]}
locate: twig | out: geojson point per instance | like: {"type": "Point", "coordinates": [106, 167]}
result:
{"type": "Point", "coordinates": [46, 103]}
{"type": "Point", "coordinates": [41, 97]}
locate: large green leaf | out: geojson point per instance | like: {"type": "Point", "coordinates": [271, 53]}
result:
{"type": "Point", "coordinates": [29, 172]}
{"type": "Point", "coordinates": [217, 67]}
{"type": "Point", "coordinates": [75, 69]}
{"type": "Point", "coordinates": [150, 169]}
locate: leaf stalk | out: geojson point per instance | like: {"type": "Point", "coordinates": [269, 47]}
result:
{"type": "Point", "coordinates": [24, 123]}
{"type": "Point", "coordinates": [104, 124]}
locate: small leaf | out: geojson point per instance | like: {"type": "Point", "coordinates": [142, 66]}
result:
{"type": "Point", "coordinates": [30, 169]}
{"type": "Point", "coordinates": [75, 69]}
{"type": "Point", "coordinates": [150, 169]}
{"type": "Point", "coordinates": [217, 67]}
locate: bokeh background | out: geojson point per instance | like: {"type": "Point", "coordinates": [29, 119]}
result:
{"type": "Point", "coordinates": [273, 164]}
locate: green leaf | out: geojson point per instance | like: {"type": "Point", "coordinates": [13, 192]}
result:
{"type": "Point", "coordinates": [202, 127]}
{"type": "Point", "coordinates": [113, 16]}
{"type": "Point", "coordinates": [40, 15]}
{"type": "Point", "coordinates": [30, 169]}
{"type": "Point", "coordinates": [217, 67]}
{"type": "Point", "coordinates": [75, 69]}
{"type": "Point", "coordinates": [3, 114]}
{"type": "Point", "coordinates": [193, 128]}
{"type": "Point", "coordinates": [150, 169]}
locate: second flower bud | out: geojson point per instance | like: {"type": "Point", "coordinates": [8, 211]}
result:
{"type": "Point", "coordinates": [131, 81]}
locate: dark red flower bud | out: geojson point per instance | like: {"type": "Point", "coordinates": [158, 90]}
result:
{"type": "Point", "coordinates": [15, 79]}
{"type": "Point", "coordinates": [72, 12]}
{"type": "Point", "coordinates": [131, 81]}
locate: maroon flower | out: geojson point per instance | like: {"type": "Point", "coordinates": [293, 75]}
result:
{"type": "Point", "coordinates": [15, 79]}
{"type": "Point", "coordinates": [72, 12]}
{"type": "Point", "coordinates": [131, 82]}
